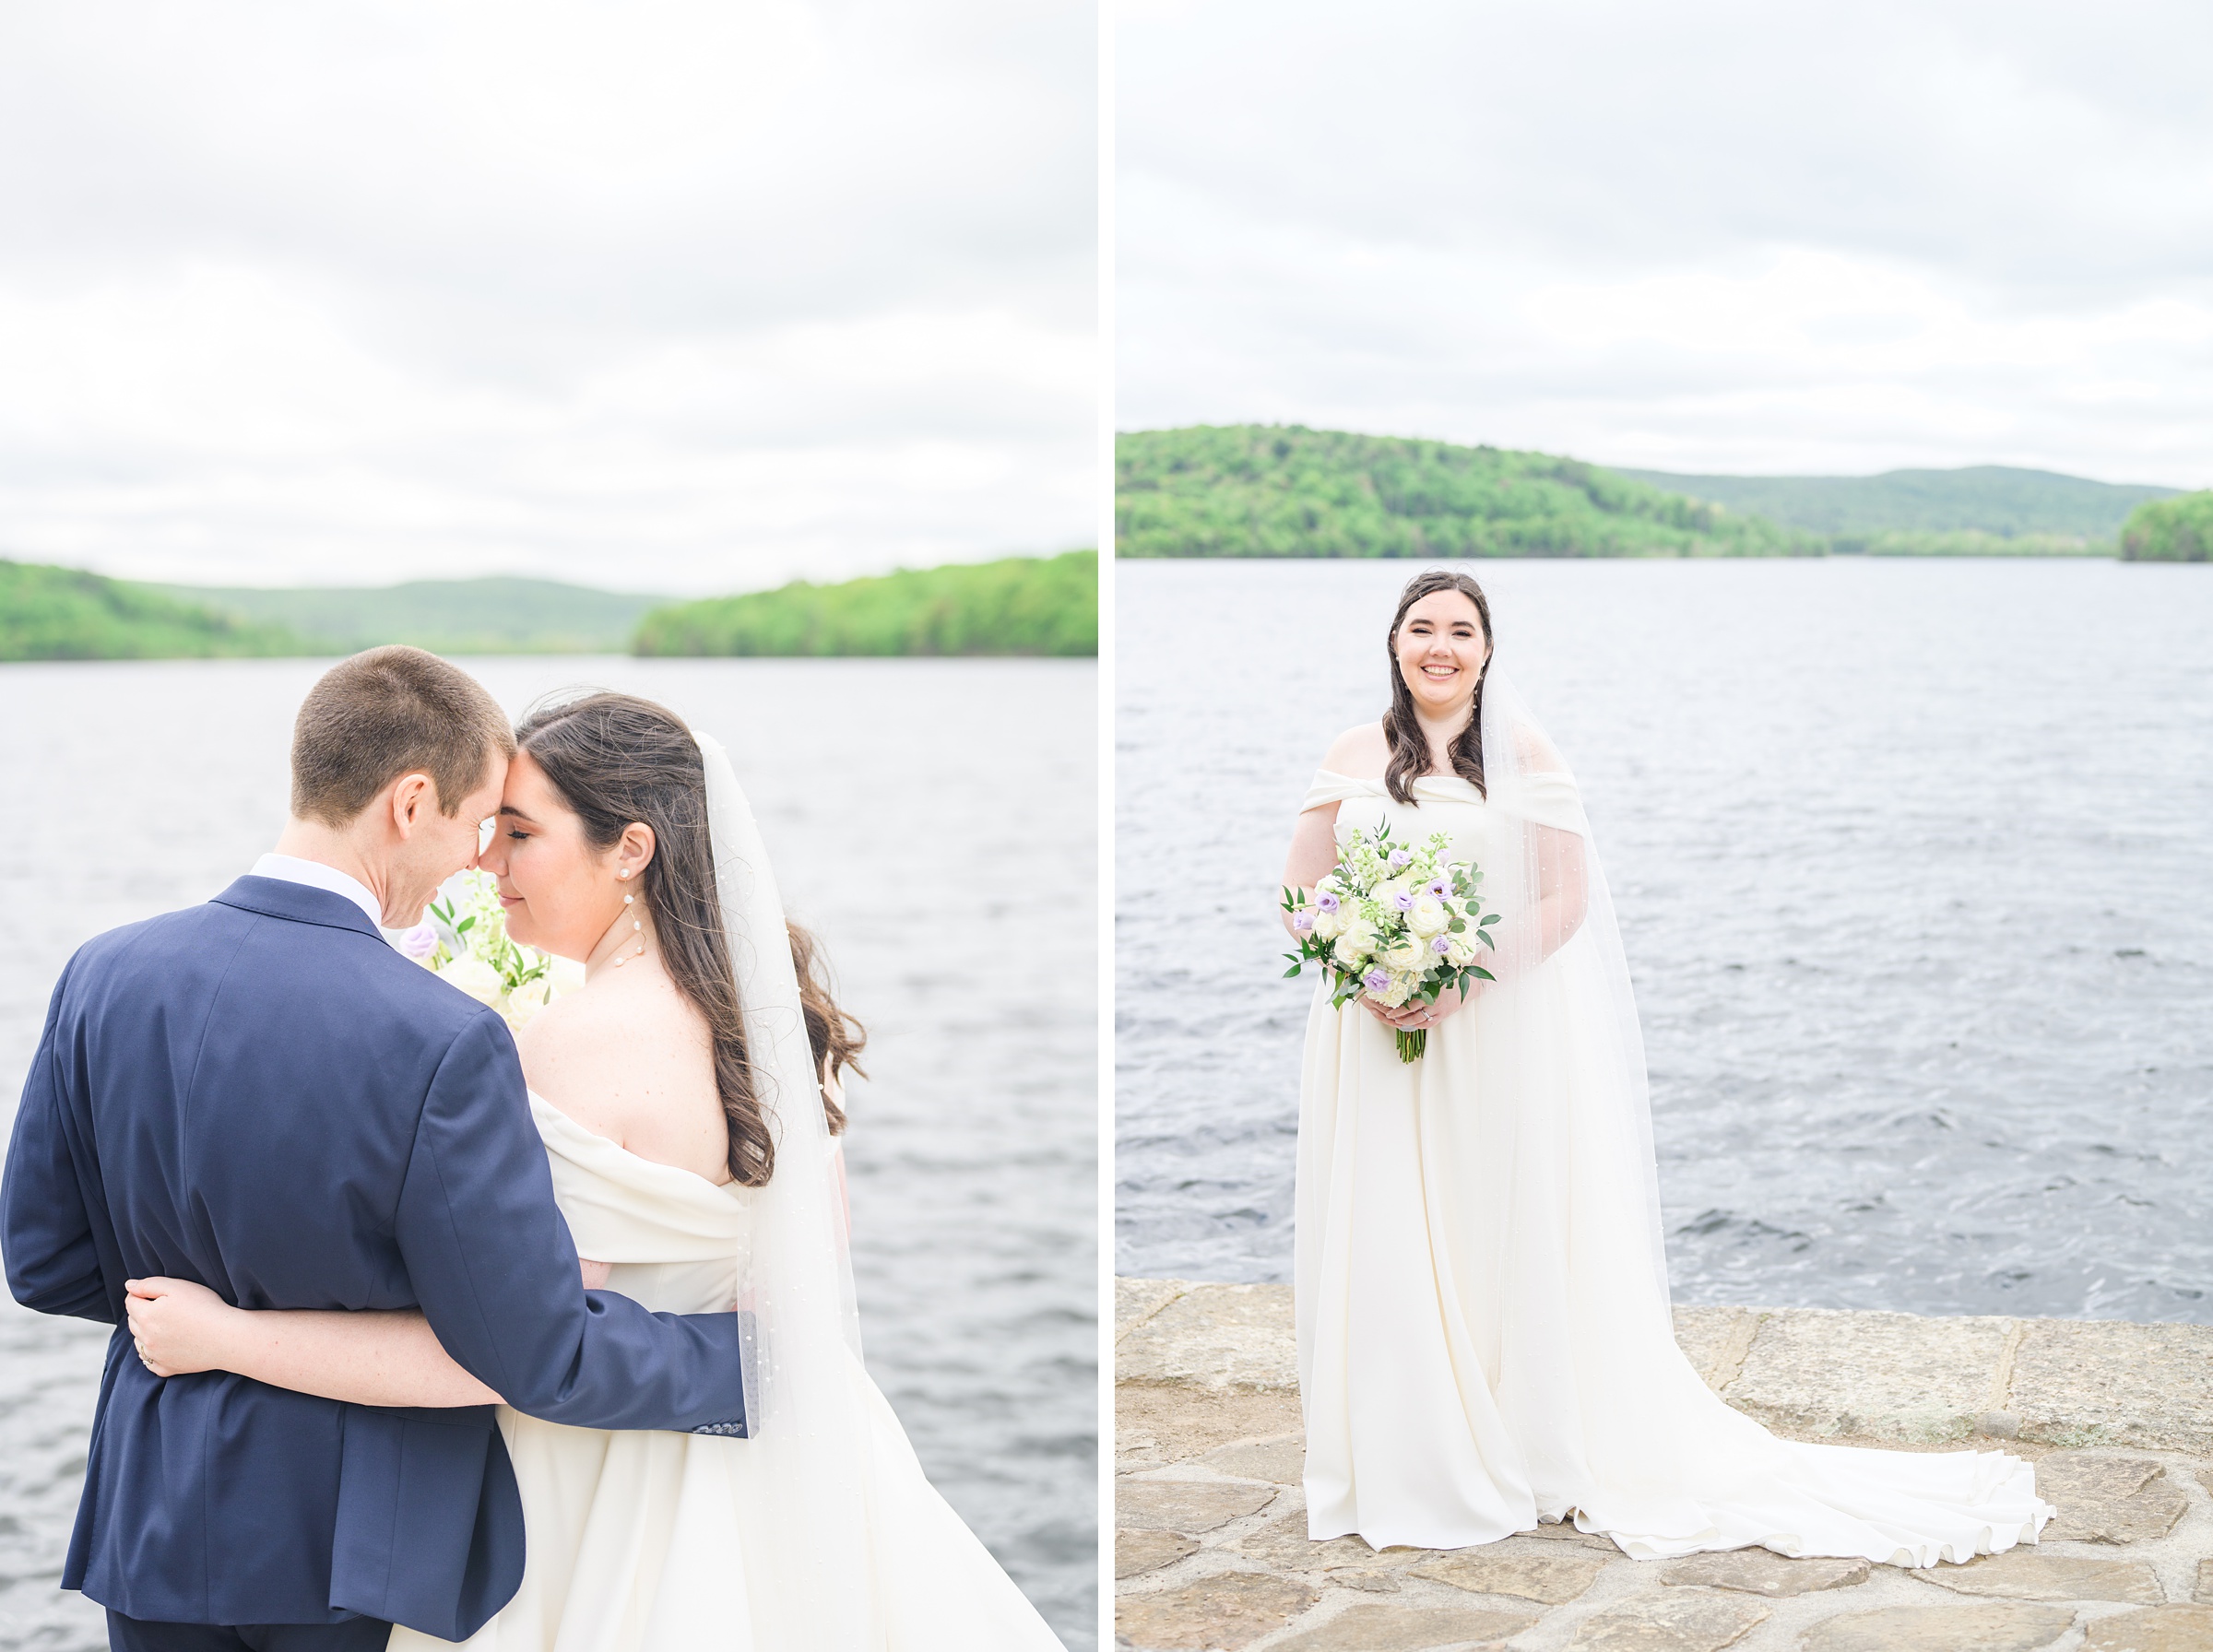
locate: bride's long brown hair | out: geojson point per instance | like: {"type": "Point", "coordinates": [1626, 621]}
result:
{"type": "Point", "coordinates": [616, 759]}
{"type": "Point", "coordinates": [1402, 726]}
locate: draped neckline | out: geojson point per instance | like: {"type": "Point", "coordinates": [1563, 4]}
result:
{"type": "Point", "coordinates": [1440, 789]}
{"type": "Point", "coordinates": [617, 1164]}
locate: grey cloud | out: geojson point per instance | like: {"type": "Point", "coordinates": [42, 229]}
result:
{"type": "Point", "coordinates": [506, 229]}
{"type": "Point", "coordinates": [1378, 217]}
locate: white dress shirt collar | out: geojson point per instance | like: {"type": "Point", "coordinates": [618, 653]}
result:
{"type": "Point", "coordinates": [290, 869]}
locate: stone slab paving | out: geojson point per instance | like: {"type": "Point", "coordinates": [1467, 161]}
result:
{"type": "Point", "coordinates": [1212, 1551]}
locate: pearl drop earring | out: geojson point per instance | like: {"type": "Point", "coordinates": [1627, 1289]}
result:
{"type": "Point", "coordinates": [638, 927]}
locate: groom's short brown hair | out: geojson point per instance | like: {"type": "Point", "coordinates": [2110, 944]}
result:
{"type": "Point", "coordinates": [387, 713]}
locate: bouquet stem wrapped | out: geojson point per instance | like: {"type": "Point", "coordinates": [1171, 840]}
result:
{"type": "Point", "coordinates": [1395, 924]}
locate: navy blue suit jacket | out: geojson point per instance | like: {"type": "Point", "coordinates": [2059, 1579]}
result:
{"type": "Point", "coordinates": [261, 1096]}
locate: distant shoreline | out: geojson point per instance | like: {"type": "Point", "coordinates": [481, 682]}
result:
{"type": "Point", "coordinates": [1286, 491]}
{"type": "Point", "coordinates": [1014, 607]}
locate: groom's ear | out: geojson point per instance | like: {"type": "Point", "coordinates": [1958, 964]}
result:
{"type": "Point", "coordinates": [414, 798]}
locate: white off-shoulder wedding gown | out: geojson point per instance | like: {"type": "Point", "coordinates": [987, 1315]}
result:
{"type": "Point", "coordinates": [1484, 1339]}
{"type": "Point", "coordinates": [640, 1541]}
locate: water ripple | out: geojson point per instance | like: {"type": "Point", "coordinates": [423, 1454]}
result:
{"type": "Point", "coordinates": [1911, 860]}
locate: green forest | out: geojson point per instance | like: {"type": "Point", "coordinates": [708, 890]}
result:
{"type": "Point", "coordinates": [1285, 490]}
{"type": "Point", "coordinates": [67, 614]}
{"type": "Point", "coordinates": [2170, 530]}
{"type": "Point", "coordinates": [1016, 605]}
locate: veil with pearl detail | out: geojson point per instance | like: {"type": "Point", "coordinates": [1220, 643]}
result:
{"type": "Point", "coordinates": [1483, 1325]}
{"type": "Point", "coordinates": [807, 1452]}
{"type": "Point", "coordinates": [854, 1550]}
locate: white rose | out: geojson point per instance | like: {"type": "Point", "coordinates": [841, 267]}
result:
{"type": "Point", "coordinates": [1428, 916]}
{"type": "Point", "coordinates": [1357, 939]}
{"type": "Point", "coordinates": [1385, 892]}
{"type": "Point", "coordinates": [473, 976]}
{"type": "Point", "coordinates": [1329, 926]}
{"type": "Point", "coordinates": [1463, 951]}
{"type": "Point", "coordinates": [1409, 955]}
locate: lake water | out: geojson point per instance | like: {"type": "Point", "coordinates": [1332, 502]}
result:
{"type": "Point", "coordinates": [915, 808]}
{"type": "Point", "coordinates": [1915, 867]}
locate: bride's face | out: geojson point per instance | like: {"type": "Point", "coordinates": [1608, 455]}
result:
{"type": "Point", "coordinates": [1442, 649]}
{"type": "Point", "coordinates": [562, 895]}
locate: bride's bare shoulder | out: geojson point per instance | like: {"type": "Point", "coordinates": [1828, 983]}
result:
{"type": "Point", "coordinates": [569, 1027]}
{"type": "Point", "coordinates": [629, 1060]}
{"type": "Point", "coordinates": [567, 1048]}
{"type": "Point", "coordinates": [1361, 753]}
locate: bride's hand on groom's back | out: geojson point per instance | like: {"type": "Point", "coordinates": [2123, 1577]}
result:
{"type": "Point", "coordinates": [178, 1325]}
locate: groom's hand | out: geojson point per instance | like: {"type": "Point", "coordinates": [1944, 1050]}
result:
{"type": "Point", "coordinates": [177, 1326]}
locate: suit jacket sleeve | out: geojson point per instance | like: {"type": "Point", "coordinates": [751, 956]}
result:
{"type": "Point", "coordinates": [46, 1198]}
{"type": "Point", "coordinates": [495, 1270]}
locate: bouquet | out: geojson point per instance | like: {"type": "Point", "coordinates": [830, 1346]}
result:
{"type": "Point", "coordinates": [464, 940]}
{"type": "Point", "coordinates": [1394, 922]}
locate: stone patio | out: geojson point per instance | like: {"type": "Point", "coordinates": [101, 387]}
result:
{"type": "Point", "coordinates": [1211, 1549]}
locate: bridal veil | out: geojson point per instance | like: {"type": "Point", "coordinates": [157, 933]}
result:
{"type": "Point", "coordinates": [1485, 1332]}
{"type": "Point", "coordinates": [807, 1456]}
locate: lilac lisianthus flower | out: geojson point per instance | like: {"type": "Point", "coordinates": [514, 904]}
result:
{"type": "Point", "coordinates": [1325, 902]}
{"type": "Point", "coordinates": [1442, 945]}
{"type": "Point", "coordinates": [1439, 887]}
{"type": "Point", "coordinates": [1302, 920]}
{"type": "Point", "coordinates": [1400, 860]}
{"type": "Point", "coordinates": [1404, 900]}
{"type": "Point", "coordinates": [1377, 980]}
{"type": "Point", "coordinates": [419, 942]}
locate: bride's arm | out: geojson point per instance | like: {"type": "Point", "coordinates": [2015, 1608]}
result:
{"type": "Point", "coordinates": [1361, 750]}
{"type": "Point", "coordinates": [368, 1358]}
{"type": "Point", "coordinates": [1313, 853]}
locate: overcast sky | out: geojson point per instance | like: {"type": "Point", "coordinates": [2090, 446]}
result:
{"type": "Point", "coordinates": [671, 296]}
{"type": "Point", "coordinates": [1832, 238]}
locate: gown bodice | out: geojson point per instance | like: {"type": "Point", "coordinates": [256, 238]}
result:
{"type": "Point", "coordinates": [1441, 803]}
{"type": "Point", "coordinates": [676, 1241]}
{"type": "Point", "coordinates": [1479, 827]}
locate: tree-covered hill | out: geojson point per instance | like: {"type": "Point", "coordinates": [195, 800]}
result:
{"type": "Point", "coordinates": [67, 614]}
{"type": "Point", "coordinates": [1286, 491]}
{"type": "Point", "coordinates": [1016, 605]}
{"type": "Point", "coordinates": [2170, 530]}
{"type": "Point", "coordinates": [456, 616]}
{"type": "Point", "coordinates": [1996, 499]}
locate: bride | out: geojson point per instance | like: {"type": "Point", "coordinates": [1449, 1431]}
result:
{"type": "Point", "coordinates": [688, 1118]}
{"type": "Point", "coordinates": [1484, 1332]}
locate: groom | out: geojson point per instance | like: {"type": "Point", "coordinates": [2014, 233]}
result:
{"type": "Point", "coordinates": [260, 1094]}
